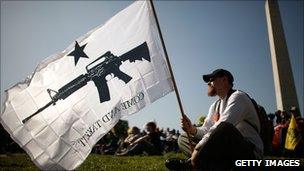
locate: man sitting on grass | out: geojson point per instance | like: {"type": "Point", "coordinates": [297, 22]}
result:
{"type": "Point", "coordinates": [230, 131]}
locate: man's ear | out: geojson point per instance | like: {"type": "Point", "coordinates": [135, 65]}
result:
{"type": "Point", "coordinates": [225, 79]}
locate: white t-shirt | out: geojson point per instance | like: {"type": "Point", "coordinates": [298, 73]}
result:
{"type": "Point", "coordinates": [236, 110]}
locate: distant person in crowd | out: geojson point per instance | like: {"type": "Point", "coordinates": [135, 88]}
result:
{"type": "Point", "coordinates": [167, 132]}
{"type": "Point", "coordinates": [149, 143]}
{"type": "Point", "coordinates": [230, 130]}
{"type": "Point", "coordinates": [171, 141]}
{"type": "Point", "coordinates": [285, 116]}
{"type": "Point", "coordinates": [177, 133]}
{"type": "Point", "coordinates": [109, 144]}
{"type": "Point", "coordinates": [133, 135]}
{"type": "Point", "coordinates": [279, 136]}
{"type": "Point", "coordinates": [271, 117]}
{"type": "Point", "coordinates": [143, 133]}
{"type": "Point", "coordinates": [285, 120]}
{"type": "Point", "coordinates": [278, 117]}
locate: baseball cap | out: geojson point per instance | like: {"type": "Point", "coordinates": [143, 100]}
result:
{"type": "Point", "coordinates": [218, 73]}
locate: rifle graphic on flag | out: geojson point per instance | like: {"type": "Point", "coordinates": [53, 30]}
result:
{"type": "Point", "coordinates": [97, 74]}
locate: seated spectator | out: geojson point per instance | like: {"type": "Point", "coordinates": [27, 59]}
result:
{"type": "Point", "coordinates": [109, 144]}
{"type": "Point", "coordinates": [278, 117]}
{"type": "Point", "coordinates": [133, 135]}
{"type": "Point", "coordinates": [171, 141]}
{"type": "Point", "coordinates": [271, 117]}
{"type": "Point", "coordinates": [280, 130]}
{"type": "Point", "coordinates": [149, 143]}
{"type": "Point", "coordinates": [285, 117]}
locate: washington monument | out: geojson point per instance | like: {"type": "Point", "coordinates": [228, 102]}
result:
{"type": "Point", "coordinates": [285, 90]}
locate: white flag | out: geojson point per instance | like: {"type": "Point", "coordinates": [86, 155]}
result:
{"type": "Point", "coordinates": [76, 96]}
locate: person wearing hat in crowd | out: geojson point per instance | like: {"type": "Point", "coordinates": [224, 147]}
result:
{"type": "Point", "coordinates": [228, 132]}
{"type": "Point", "coordinates": [295, 112]}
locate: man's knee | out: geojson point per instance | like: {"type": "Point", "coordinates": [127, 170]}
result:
{"type": "Point", "coordinates": [225, 128]}
{"type": "Point", "coordinates": [183, 144]}
{"type": "Point", "coordinates": [182, 139]}
{"type": "Point", "coordinates": [226, 141]}
{"type": "Point", "coordinates": [225, 125]}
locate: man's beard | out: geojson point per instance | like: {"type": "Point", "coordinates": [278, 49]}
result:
{"type": "Point", "coordinates": [211, 91]}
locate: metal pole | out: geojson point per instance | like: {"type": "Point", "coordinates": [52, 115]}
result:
{"type": "Point", "coordinates": [171, 71]}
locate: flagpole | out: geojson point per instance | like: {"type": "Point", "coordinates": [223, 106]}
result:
{"type": "Point", "coordinates": [171, 72]}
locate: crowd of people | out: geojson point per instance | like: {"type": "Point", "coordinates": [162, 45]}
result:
{"type": "Point", "coordinates": [119, 141]}
{"type": "Point", "coordinates": [155, 141]}
{"type": "Point", "coordinates": [151, 141]}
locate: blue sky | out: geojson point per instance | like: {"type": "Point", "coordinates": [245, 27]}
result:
{"type": "Point", "coordinates": [200, 36]}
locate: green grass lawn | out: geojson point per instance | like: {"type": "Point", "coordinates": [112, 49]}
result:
{"type": "Point", "coordinates": [102, 162]}
{"type": "Point", "coordinates": [94, 162]}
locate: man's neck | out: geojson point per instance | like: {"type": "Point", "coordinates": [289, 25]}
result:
{"type": "Point", "coordinates": [222, 95]}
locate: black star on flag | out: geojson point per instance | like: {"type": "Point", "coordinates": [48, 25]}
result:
{"type": "Point", "coordinates": [78, 52]}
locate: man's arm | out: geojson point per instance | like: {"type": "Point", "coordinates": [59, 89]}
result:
{"type": "Point", "coordinates": [208, 123]}
{"type": "Point", "coordinates": [187, 126]}
{"type": "Point", "coordinates": [199, 132]}
{"type": "Point", "coordinates": [145, 137]}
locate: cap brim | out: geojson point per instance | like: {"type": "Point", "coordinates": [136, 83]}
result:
{"type": "Point", "coordinates": [207, 78]}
